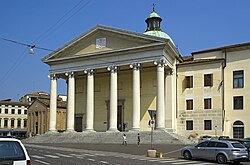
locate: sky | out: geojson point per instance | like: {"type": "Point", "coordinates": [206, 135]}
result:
{"type": "Point", "coordinates": [192, 24]}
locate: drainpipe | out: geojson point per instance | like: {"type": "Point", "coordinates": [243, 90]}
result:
{"type": "Point", "coordinates": [223, 89]}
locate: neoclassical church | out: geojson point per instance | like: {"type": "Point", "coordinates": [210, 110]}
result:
{"type": "Point", "coordinates": [119, 80]}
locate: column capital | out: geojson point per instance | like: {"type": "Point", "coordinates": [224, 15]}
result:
{"type": "Point", "coordinates": [69, 74]}
{"type": "Point", "coordinates": [112, 68]}
{"type": "Point", "coordinates": [135, 66]}
{"type": "Point", "coordinates": [52, 76]}
{"type": "Point", "coordinates": [161, 62]}
{"type": "Point", "coordinates": [169, 71]}
{"type": "Point", "coordinates": [89, 71]}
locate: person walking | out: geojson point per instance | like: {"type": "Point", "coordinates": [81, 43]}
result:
{"type": "Point", "coordinates": [124, 140]}
{"type": "Point", "coordinates": [138, 139]}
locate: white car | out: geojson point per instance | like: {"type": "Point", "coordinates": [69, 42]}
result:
{"type": "Point", "coordinates": [12, 151]}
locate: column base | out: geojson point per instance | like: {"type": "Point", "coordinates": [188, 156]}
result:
{"type": "Point", "coordinates": [70, 131]}
{"type": "Point", "coordinates": [160, 130]}
{"type": "Point", "coordinates": [134, 130]}
{"type": "Point", "coordinates": [52, 132]}
{"type": "Point", "coordinates": [112, 130]}
{"type": "Point", "coordinates": [88, 131]}
{"type": "Point", "coordinates": [169, 130]}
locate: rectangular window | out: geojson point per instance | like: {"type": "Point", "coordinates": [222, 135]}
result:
{"type": "Point", "coordinates": [12, 111]}
{"type": "Point", "coordinates": [189, 81]}
{"type": "Point", "coordinates": [208, 80]}
{"type": "Point", "coordinates": [208, 103]}
{"type": "Point", "coordinates": [25, 112]}
{"type": "Point", "coordinates": [189, 125]}
{"type": "Point", "coordinates": [12, 122]}
{"type": "Point", "coordinates": [207, 125]}
{"type": "Point", "coordinates": [238, 102]}
{"type": "Point", "coordinates": [238, 77]}
{"type": "Point", "coordinates": [6, 111]}
{"type": "Point", "coordinates": [19, 111]}
{"type": "Point", "coordinates": [189, 104]}
{"type": "Point", "coordinates": [5, 123]}
{"type": "Point", "coordinates": [25, 123]}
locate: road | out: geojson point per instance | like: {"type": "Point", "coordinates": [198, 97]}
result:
{"type": "Point", "coordinates": [60, 155]}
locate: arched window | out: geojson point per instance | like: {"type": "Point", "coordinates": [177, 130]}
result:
{"type": "Point", "coordinates": [238, 129]}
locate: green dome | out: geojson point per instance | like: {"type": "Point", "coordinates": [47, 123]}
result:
{"type": "Point", "coordinates": [159, 34]}
{"type": "Point", "coordinates": [154, 14]}
{"type": "Point", "coordinates": [154, 26]}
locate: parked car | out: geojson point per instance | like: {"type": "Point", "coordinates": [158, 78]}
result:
{"type": "Point", "coordinates": [221, 151]}
{"type": "Point", "coordinates": [223, 137]}
{"type": "Point", "coordinates": [206, 137]}
{"type": "Point", "coordinates": [12, 151]}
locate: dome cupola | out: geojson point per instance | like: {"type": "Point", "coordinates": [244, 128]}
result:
{"type": "Point", "coordinates": [154, 26]}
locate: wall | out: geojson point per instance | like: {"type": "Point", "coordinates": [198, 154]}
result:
{"type": "Point", "coordinates": [198, 93]}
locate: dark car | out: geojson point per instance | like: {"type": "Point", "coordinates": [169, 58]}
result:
{"type": "Point", "coordinates": [223, 137]}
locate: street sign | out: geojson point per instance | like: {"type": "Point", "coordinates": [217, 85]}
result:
{"type": "Point", "coordinates": [152, 113]}
{"type": "Point", "coordinates": [151, 123]}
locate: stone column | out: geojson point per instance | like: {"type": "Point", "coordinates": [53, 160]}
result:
{"type": "Point", "coordinates": [70, 103]}
{"type": "Point", "coordinates": [136, 97]}
{"type": "Point", "coordinates": [90, 101]}
{"type": "Point", "coordinates": [169, 87]}
{"type": "Point", "coordinates": [113, 99]}
{"type": "Point", "coordinates": [2, 122]}
{"type": "Point", "coordinates": [160, 101]}
{"type": "Point", "coordinates": [53, 104]}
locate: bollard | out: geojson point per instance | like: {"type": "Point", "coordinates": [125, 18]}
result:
{"type": "Point", "coordinates": [151, 153]}
{"type": "Point", "coordinates": [159, 154]}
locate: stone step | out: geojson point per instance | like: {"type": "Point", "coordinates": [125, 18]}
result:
{"type": "Point", "coordinates": [159, 137]}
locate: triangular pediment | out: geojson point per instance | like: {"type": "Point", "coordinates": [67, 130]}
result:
{"type": "Point", "coordinates": [102, 39]}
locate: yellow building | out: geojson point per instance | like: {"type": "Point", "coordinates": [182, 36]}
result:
{"type": "Point", "coordinates": [116, 77]}
{"type": "Point", "coordinates": [38, 116]}
{"type": "Point", "coordinates": [234, 86]}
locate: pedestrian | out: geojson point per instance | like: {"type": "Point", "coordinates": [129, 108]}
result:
{"type": "Point", "coordinates": [138, 139]}
{"type": "Point", "coordinates": [124, 140]}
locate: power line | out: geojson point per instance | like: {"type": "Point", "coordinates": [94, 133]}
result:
{"type": "Point", "coordinates": [45, 34]}
{"type": "Point", "coordinates": [57, 25]}
{"type": "Point", "coordinates": [24, 44]}
{"type": "Point", "coordinates": [31, 46]}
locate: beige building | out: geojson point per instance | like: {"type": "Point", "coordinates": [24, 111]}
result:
{"type": "Point", "coordinates": [116, 77]}
{"type": "Point", "coordinates": [234, 87]}
{"type": "Point", "coordinates": [38, 116]}
{"type": "Point", "coordinates": [30, 97]}
{"type": "Point", "coordinates": [13, 118]}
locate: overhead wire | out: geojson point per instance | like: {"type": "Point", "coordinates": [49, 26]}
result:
{"type": "Point", "coordinates": [57, 25]}
{"type": "Point", "coordinates": [40, 38]}
{"type": "Point", "coordinates": [48, 31]}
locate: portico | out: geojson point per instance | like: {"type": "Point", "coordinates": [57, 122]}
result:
{"type": "Point", "coordinates": [155, 68]}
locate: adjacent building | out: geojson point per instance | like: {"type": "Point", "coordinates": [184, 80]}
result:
{"type": "Point", "coordinates": [13, 118]}
{"type": "Point", "coordinates": [38, 116]}
{"type": "Point", "coordinates": [116, 77]}
{"type": "Point", "coordinates": [30, 97]}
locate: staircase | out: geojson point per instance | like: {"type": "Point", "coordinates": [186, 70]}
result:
{"type": "Point", "coordinates": [159, 137]}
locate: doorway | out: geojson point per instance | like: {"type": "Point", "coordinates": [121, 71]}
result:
{"type": "Point", "coordinates": [78, 124]}
{"type": "Point", "coordinates": [121, 126]}
{"type": "Point", "coordinates": [120, 119]}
